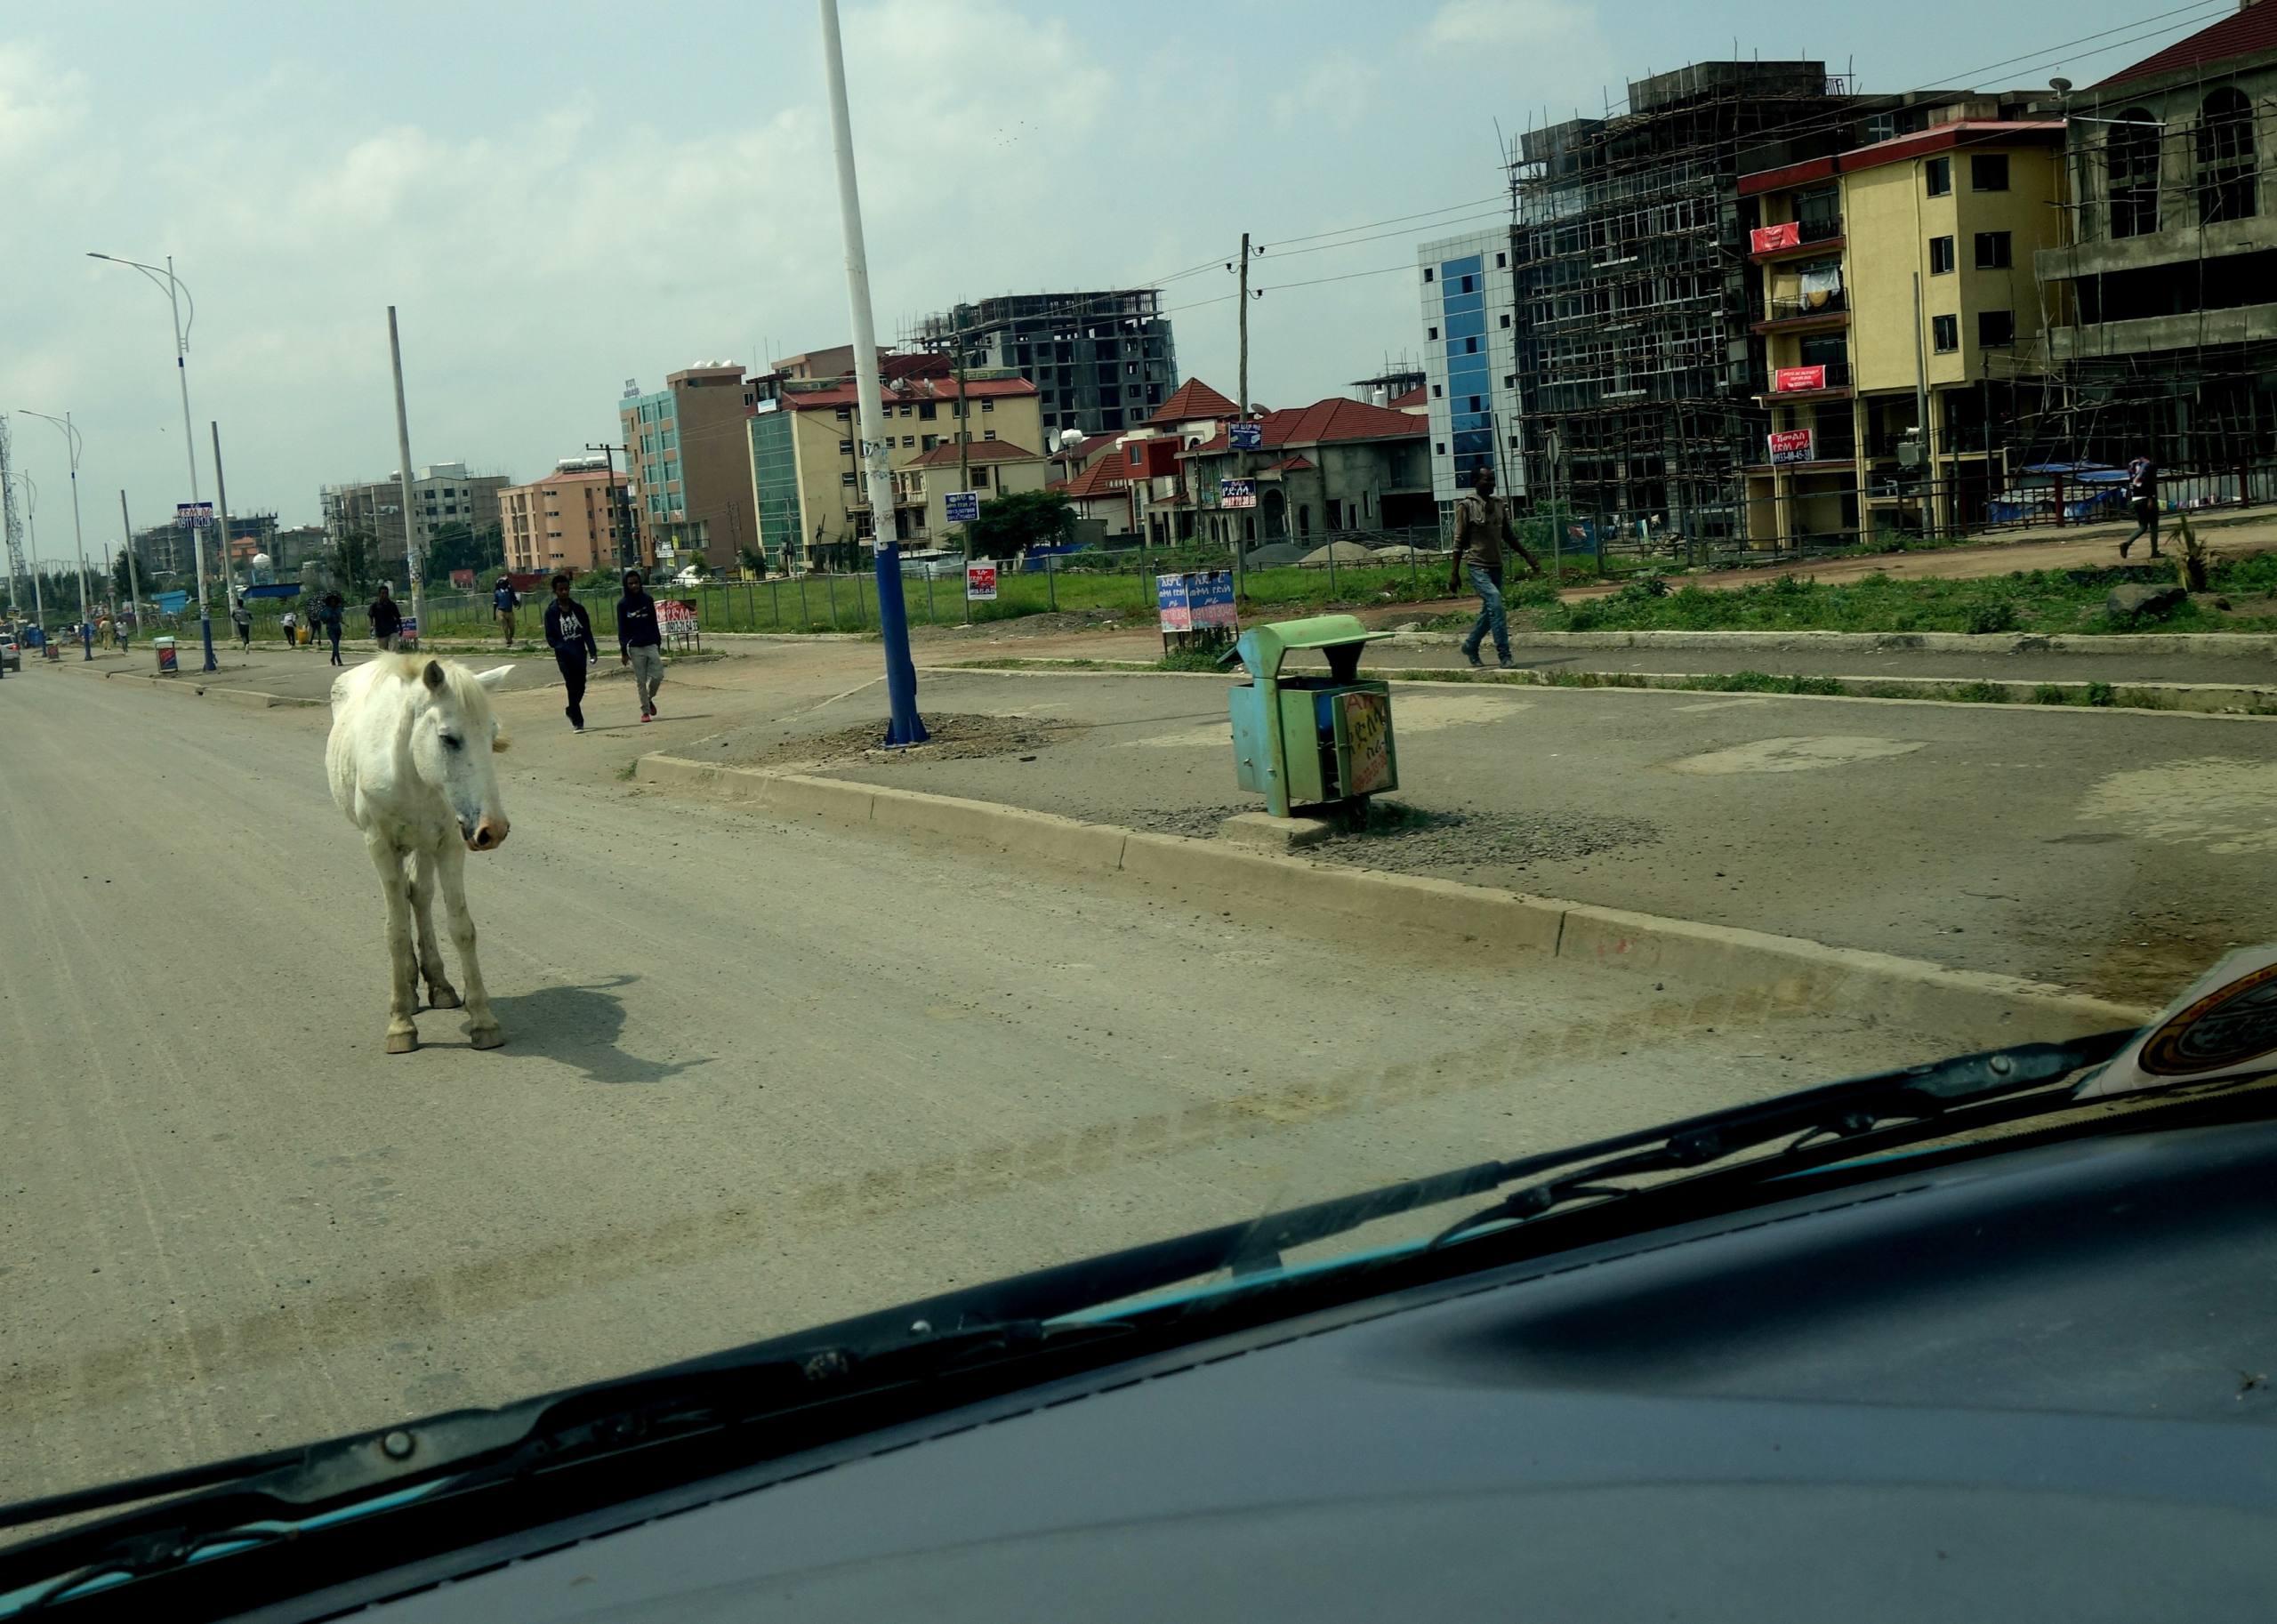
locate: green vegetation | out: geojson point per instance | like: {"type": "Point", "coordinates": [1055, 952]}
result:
{"type": "Point", "coordinates": [1008, 526]}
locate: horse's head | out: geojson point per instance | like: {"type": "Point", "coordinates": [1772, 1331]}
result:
{"type": "Point", "coordinates": [454, 733]}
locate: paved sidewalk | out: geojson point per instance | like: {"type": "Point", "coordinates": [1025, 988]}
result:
{"type": "Point", "coordinates": [2115, 853]}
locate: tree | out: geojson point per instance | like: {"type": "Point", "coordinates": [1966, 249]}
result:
{"type": "Point", "coordinates": [754, 561]}
{"type": "Point", "coordinates": [353, 553]}
{"type": "Point", "coordinates": [120, 582]}
{"type": "Point", "coordinates": [1013, 524]}
{"type": "Point", "coordinates": [457, 545]}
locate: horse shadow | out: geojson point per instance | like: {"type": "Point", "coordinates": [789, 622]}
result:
{"type": "Point", "coordinates": [581, 1027]}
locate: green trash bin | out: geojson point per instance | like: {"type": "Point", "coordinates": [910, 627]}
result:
{"type": "Point", "coordinates": [1310, 740]}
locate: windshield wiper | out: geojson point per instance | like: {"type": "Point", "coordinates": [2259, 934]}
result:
{"type": "Point", "coordinates": [896, 1349]}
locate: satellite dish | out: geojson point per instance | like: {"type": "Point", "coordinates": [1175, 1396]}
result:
{"type": "Point", "coordinates": [2060, 85]}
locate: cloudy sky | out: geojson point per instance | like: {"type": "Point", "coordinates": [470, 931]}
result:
{"type": "Point", "coordinates": [559, 196]}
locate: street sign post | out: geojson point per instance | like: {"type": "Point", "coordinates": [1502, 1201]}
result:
{"type": "Point", "coordinates": [964, 507]}
{"type": "Point", "coordinates": [1237, 493]}
{"type": "Point", "coordinates": [1245, 436]}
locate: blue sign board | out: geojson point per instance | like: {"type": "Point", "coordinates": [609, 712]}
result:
{"type": "Point", "coordinates": [1246, 436]}
{"type": "Point", "coordinates": [964, 506]}
{"type": "Point", "coordinates": [195, 515]}
{"type": "Point", "coordinates": [1237, 493]}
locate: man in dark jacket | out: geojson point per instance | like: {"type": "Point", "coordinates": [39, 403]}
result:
{"type": "Point", "coordinates": [503, 601]}
{"type": "Point", "coordinates": [570, 633]}
{"type": "Point", "coordinates": [1482, 525]}
{"type": "Point", "coordinates": [387, 618]}
{"type": "Point", "coordinates": [640, 641]}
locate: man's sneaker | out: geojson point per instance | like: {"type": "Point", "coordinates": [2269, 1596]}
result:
{"type": "Point", "coordinates": [1471, 655]}
{"type": "Point", "coordinates": [1506, 664]}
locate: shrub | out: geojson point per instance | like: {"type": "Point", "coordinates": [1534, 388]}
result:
{"type": "Point", "coordinates": [1985, 618]}
{"type": "Point", "coordinates": [2048, 694]}
{"type": "Point", "coordinates": [2102, 694]}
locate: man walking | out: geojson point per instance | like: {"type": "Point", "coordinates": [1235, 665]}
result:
{"type": "Point", "coordinates": [241, 617]}
{"type": "Point", "coordinates": [1482, 525]}
{"type": "Point", "coordinates": [290, 624]}
{"type": "Point", "coordinates": [570, 633]}
{"type": "Point", "coordinates": [503, 601]}
{"type": "Point", "coordinates": [329, 617]}
{"type": "Point", "coordinates": [640, 641]}
{"type": "Point", "coordinates": [387, 618]}
{"type": "Point", "coordinates": [2142, 496]}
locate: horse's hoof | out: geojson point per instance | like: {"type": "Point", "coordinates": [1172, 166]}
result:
{"type": "Point", "coordinates": [442, 998]}
{"type": "Point", "coordinates": [486, 1037]}
{"type": "Point", "coordinates": [402, 1042]}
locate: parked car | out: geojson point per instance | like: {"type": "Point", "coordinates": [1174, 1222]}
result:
{"type": "Point", "coordinates": [937, 566]}
{"type": "Point", "coordinates": [12, 651]}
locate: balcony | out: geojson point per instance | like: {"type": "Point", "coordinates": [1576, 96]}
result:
{"type": "Point", "coordinates": [1790, 237]}
{"type": "Point", "coordinates": [1815, 380]}
{"type": "Point", "coordinates": [1822, 312]}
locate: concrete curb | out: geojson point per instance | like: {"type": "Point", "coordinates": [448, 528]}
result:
{"type": "Point", "coordinates": [2223, 645]}
{"type": "Point", "coordinates": [2202, 701]}
{"type": "Point", "coordinates": [1975, 1009]}
{"type": "Point", "coordinates": [251, 697]}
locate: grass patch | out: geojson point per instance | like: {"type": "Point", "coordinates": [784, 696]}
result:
{"type": "Point", "coordinates": [1978, 693]}
{"type": "Point", "coordinates": [2048, 694]}
{"type": "Point", "coordinates": [628, 772]}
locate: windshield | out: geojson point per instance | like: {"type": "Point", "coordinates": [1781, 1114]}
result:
{"type": "Point", "coordinates": [643, 709]}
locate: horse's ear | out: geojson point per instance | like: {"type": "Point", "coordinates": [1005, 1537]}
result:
{"type": "Point", "coordinates": [494, 676]}
{"type": "Point", "coordinates": [433, 675]}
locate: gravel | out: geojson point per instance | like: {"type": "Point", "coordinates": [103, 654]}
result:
{"type": "Point", "coordinates": [1413, 840]}
{"type": "Point", "coordinates": [954, 738]}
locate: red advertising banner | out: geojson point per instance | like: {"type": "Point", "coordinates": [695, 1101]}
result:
{"type": "Point", "coordinates": [1792, 380]}
{"type": "Point", "coordinates": [1770, 239]}
{"type": "Point", "coordinates": [1790, 445]}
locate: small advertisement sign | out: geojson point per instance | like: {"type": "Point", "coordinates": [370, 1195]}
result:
{"type": "Point", "coordinates": [1790, 379]}
{"type": "Point", "coordinates": [1790, 445]}
{"type": "Point", "coordinates": [980, 582]}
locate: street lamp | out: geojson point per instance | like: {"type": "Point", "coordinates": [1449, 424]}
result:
{"type": "Point", "coordinates": [176, 292]}
{"type": "Point", "coordinates": [71, 444]}
{"type": "Point", "coordinates": [31, 541]}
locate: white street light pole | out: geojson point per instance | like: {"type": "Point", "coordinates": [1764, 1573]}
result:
{"type": "Point", "coordinates": [31, 541]}
{"type": "Point", "coordinates": [79, 540]}
{"type": "Point", "coordinates": [905, 726]}
{"type": "Point", "coordinates": [176, 292]}
{"type": "Point", "coordinates": [414, 560]}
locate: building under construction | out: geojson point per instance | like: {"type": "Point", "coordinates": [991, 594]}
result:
{"type": "Point", "coordinates": [1102, 361]}
{"type": "Point", "coordinates": [1631, 292]}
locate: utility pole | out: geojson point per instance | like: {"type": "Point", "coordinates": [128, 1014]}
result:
{"type": "Point", "coordinates": [412, 561]}
{"type": "Point", "coordinates": [964, 442]}
{"type": "Point", "coordinates": [31, 541]}
{"type": "Point", "coordinates": [1240, 414]}
{"type": "Point", "coordinates": [221, 507]}
{"type": "Point", "coordinates": [133, 574]}
{"type": "Point", "coordinates": [905, 726]}
{"type": "Point", "coordinates": [621, 500]}
{"type": "Point", "coordinates": [1928, 463]}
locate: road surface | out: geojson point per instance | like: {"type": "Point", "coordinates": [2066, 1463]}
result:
{"type": "Point", "coordinates": [755, 1077]}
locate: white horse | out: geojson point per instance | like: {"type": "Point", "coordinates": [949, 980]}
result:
{"type": "Point", "coordinates": [409, 760]}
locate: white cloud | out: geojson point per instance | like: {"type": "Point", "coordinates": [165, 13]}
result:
{"type": "Point", "coordinates": [1509, 24]}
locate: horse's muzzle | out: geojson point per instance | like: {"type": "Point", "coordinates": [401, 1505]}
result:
{"type": "Point", "coordinates": [488, 835]}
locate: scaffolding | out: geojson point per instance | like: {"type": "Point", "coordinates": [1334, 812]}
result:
{"type": "Point", "coordinates": [1638, 367]}
{"type": "Point", "coordinates": [19, 576]}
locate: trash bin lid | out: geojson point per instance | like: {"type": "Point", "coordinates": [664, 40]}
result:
{"type": "Point", "coordinates": [1262, 647]}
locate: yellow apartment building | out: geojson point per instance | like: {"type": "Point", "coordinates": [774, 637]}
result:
{"type": "Point", "coordinates": [1885, 276]}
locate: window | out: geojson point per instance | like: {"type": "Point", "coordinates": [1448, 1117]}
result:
{"type": "Point", "coordinates": [1427, 273]}
{"type": "Point", "coordinates": [979, 477]}
{"type": "Point", "coordinates": [1945, 333]}
{"type": "Point", "coordinates": [2130, 157]}
{"type": "Point", "coordinates": [1993, 251]}
{"type": "Point", "coordinates": [907, 440]}
{"type": "Point", "coordinates": [1940, 256]}
{"type": "Point", "coordinates": [2224, 143]}
{"type": "Point", "coordinates": [1996, 329]}
{"type": "Point", "coordinates": [928, 441]}
{"type": "Point", "coordinates": [1470, 346]}
{"type": "Point", "coordinates": [1134, 456]}
{"type": "Point", "coordinates": [842, 413]}
{"type": "Point", "coordinates": [927, 410]}
{"type": "Point", "coordinates": [847, 477]}
{"type": "Point", "coordinates": [987, 406]}
{"type": "Point", "coordinates": [1501, 260]}
{"type": "Point", "coordinates": [1937, 174]}
{"type": "Point", "coordinates": [1988, 172]}
{"type": "Point", "coordinates": [1431, 333]}
{"type": "Point", "coordinates": [1437, 391]}
{"type": "Point", "coordinates": [846, 446]}
{"type": "Point", "coordinates": [1469, 284]}
{"type": "Point", "coordinates": [1506, 318]}
{"type": "Point", "coordinates": [988, 434]}
{"type": "Point", "coordinates": [1439, 447]}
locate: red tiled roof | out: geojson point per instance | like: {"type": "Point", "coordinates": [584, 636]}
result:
{"type": "Point", "coordinates": [1325, 422]}
{"type": "Point", "coordinates": [898, 391]}
{"type": "Point", "coordinates": [1291, 465]}
{"type": "Point", "coordinates": [1105, 477]}
{"type": "Point", "coordinates": [2241, 33]}
{"type": "Point", "coordinates": [944, 455]}
{"type": "Point", "coordinates": [1414, 398]}
{"type": "Point", "coordinates": [1194, 399]}
{"type": "Point", "coordinates": [1084, 450]}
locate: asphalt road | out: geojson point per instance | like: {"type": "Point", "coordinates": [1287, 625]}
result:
{"type": "Point", "coordinates": [755, 1076]}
